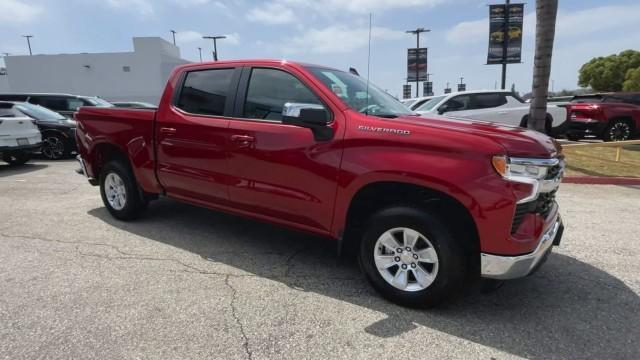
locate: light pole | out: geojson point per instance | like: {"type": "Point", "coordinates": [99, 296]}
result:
{"type": "Point", "coordinates": [173, 33]}
{"type": "Point", "coordinates": [505, 44]}
{"type": "Point", "coordinates": [28, 42]}
{"type": "Point", "coordinates": [215, 46]}
{"type": "Point", "coordinates": [200, 52]}
{"type": "Point", "coordinates": [417, 33]}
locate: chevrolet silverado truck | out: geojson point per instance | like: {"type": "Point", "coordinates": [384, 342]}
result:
{"type": "Point", "coordinates": [610, 117]}
{"type": "Point", "coordinates": [427, 205]}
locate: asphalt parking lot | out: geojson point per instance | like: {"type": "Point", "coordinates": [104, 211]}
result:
{"type": "Point", "coordinates": [185, 282]}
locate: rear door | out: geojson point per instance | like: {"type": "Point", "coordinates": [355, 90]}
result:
{"type": "Point", "coordinates": [192, 136]}
{"type": "Point", "coordinates": [280, 171]}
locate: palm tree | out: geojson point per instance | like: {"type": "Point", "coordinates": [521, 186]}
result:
{"type": "Point", "coordinates": [546, 11]}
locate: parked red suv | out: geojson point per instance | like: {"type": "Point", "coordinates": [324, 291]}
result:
{"type": "Point", "coordinates": [425, 203]}
{"type": "Point", "coordinates": [610, 117]}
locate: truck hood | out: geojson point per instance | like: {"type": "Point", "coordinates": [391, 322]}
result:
{"type": "Point", "coordinates": [517, 141]}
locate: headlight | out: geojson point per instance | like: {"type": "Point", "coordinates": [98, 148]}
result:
{"type": "Point", "coordinates": [528, 171]}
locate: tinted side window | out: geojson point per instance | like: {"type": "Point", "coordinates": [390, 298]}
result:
{"type": "Point", "coordinates": [270, 89]}
{"type": "Point", "coordinates": [459, 103]}
{"type": "Point", "coordinates": [13, 97]}
{"type": "Point", "coordinates": [485, 101]}
{"type": "Point", "coordinates": [57, 103]}
{"type": "Point", "coordinates": [8, 110]}
{"type": "Point", "coordinates": [205, 91]}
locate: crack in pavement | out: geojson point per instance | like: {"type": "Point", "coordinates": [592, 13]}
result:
{"type": "Point", "coordinates": [234, 313]}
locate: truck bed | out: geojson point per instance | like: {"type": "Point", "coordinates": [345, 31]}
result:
{"type": "Point", "coordinates": [131, 130]}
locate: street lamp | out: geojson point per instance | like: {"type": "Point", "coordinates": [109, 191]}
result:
{"type": "Point", "coordinates": [28, 42]}
{"type": "Point", "coordinates": [200, 52]}
{"type": "Point", "coordinates": [173, 33]}
{"type": "Point", "coordinates": [417, 33]}
{"type": "Point", "coordinates": [215, 47]}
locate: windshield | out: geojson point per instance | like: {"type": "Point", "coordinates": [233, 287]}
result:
{"type": "Point", "coordinates": [96, 101]}
{"type": "Point", "coordinates": [427, 106]}
{"type": "Point", "coordinates": [352, 90]}
{"type": "Point", "coordinates": [38, 112]}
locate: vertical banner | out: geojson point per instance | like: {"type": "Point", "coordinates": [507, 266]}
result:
{"type": "Point", "coordinates": [505, 32]}
{"type": "Point", "coordinates": [462, 87]}
{"type": "Point", "coordinates": [406, 91]}
{"type": "Point", "coordinates": [427, 88]}
{"type": "Point", "coordinates": [416, 58]}
{"type": "Point", "coordinates": [447, 90]}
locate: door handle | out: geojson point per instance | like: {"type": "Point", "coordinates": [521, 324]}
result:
{"type": "Point", "coordinates": [167, 130]}
{"type": "Point", "coordinates": [502, 112]}
{"type": "Point", "coordinates": [242, 140]}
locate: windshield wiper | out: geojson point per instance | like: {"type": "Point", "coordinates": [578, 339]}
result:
{"type": "Point", "coordinates": [386, 116]}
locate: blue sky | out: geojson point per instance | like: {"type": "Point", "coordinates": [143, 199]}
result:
{"type": "Point", "coordinates": [329, 32]}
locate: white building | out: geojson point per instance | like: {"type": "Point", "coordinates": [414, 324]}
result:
{"type": "Point", "coordinates": [140, 75]}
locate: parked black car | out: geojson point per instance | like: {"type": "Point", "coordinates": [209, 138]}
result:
{"type": "Point", "coordinates": [65, 104]}
{"type": "Point", "coordinates": [58, 132]}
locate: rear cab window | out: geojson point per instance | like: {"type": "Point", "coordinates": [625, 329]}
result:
{"type": "Point", "coordinates": [205, 92]}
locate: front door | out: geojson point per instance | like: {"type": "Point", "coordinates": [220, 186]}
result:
{"type": "Point", "coordinates": [192, 137]}
{"type": "Point", "coordinates": [280, 171]}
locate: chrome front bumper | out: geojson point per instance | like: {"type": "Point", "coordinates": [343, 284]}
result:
{"type": "Point", "coordinates": [513, 267]}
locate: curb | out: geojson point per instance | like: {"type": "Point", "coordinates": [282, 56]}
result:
{"type": "Point", "coordinates": [601, 180]}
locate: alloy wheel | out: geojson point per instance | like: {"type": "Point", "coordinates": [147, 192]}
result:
{"type": "Point", "coordinates": [620, 131]}
{"type": "Point", "coordinates": [406, 259]}
{"type": "Point", "coordinates": [53, 148]}
{"type": "Point", "coordinates": [115, 191]}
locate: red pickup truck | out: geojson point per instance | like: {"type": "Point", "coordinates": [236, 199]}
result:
{"type": "Point", "coordinates": [426, 204]}
{"type": "Point", "coordinates": [609, 116]}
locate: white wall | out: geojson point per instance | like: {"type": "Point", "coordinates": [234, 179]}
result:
{"type": "Point", "coordinates": [100, 74]}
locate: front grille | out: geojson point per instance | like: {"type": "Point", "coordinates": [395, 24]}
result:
{"type": "Point", "coordinates": [542, 206]}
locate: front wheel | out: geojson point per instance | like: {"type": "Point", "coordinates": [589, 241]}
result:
{"type": "Point", "coordinates": [618, 130]}
{"type": "Point", "coordinates": [16, 158]}
{"type": "Point", "coordinates": [54, 147]}
{"type": "Point", "coordinates": [120, 193]}
{"type": "Point", "coordinates": [411, 258]}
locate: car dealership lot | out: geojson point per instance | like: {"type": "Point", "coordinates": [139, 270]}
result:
{"type": "Point", "coordinates": [186, 282]}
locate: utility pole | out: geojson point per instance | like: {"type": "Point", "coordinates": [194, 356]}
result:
{"type": "Point", "coordinates": [200, 52]}
{"type": "Point", "coordinates": [417, 33]}
{"type": "Point", "coordinates": [505, 43]}
{"type": "Point", "coordinates": [173, 33]}
{"type": "Point", "coordinates": [28, 42]}
{"type": "Point", "coordinates": [215, 46]}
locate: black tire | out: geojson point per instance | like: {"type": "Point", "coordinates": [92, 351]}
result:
{"type": "Point", "coordinates": [55, 146]}
{"type": "Point", "coordinates": [548, 123]}
{"type": "Point", "coordinates": [134, 204]}
{"type": "Point", "coordinates": [618, 130]}
{"type": "Point", "coordinates": [451, 272]}
{"type": "Point", "coordinates": [16, 158]}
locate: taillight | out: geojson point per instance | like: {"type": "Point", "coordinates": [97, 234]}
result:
{"type": "Point", "coordinates": [582, 117]}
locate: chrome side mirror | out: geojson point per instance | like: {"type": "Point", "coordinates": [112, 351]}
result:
{"type": "Point", "coordinates": [311, 116]}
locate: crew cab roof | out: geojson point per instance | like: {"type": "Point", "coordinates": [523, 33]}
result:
{"type": "Point", "coordinates": [250, 62]}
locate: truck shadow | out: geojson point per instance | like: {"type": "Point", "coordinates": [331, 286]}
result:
{"type": "Point", "coordinates": [569, 309]}
{"type": "Point", "coordinates": [7, 170]}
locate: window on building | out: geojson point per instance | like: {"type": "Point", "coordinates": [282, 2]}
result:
{"type": "Point", "coordinates": [126, 68]}
{"type": "Point", "coordinates": [205, 91]}
{"type": "Point", "coordinates": [270, 89]}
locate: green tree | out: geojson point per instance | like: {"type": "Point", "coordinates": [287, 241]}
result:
{"type": "Point", "coordinates": [608, 73]}
{"type": "Point", "coordinates": [632, 80]}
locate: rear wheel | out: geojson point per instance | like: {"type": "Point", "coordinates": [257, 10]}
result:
{"type": "Point", "coordinates": [16, 158]}
{"type": "Point", "coordinates": [54, 147]}
{"type": "Point", "coordinates": [411, 258]}
{"type": "Point", "coordinates": [120, 193]}
{"type": "Point", "coordinates": [618, 130]}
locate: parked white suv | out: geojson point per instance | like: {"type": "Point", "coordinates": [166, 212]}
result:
{"type": "Point", "coordinates": [19, 136]}
{"type": "Point", "coordinates": [498, 106]}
